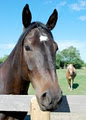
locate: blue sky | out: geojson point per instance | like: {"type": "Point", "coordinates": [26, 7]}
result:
{"type": "Point", "coordinates": [69, 31]}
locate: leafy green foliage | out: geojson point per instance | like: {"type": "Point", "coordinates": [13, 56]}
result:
{"type": "Point", "coordinates": [3, 59]}
{"type": "Point", "coordinates": [69, 56]}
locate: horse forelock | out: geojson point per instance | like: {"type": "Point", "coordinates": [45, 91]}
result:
{"type": "Point", "coordinates": [33, 25]}
{"type": "Point", "coordinates": [71, 68]}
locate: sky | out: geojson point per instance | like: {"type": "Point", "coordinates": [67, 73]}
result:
{"type": "Point", "coordinates": [70, 29]}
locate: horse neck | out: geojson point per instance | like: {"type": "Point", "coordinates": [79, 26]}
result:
{"type": "Point", "coordinates": [13, 60]}
{"type": "Point", "coordinates": [14, 69]}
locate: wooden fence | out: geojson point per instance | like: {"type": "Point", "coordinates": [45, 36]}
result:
{"type": "Point", "coordinates": [73, 107]}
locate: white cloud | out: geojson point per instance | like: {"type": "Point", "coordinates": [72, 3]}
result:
{"type": "Point", "coordinates": [7, 46]}
{"type": "Point", "coordinates": [48, 1]}
{"type": "Point", "coordinates": [82, 18]}
{"type": "Point", "coordinates": [81, 5]}
{"type": "Point", "coordinates": [81, 46]}
{"type": "Point", "coordinates": [75, 7]}
{"type": "Point", "coordinates": [5, 49]}
{"type": "Point", "coordinates": [75, 43]}
{"type": "Point", "coordinates": [61, 4]}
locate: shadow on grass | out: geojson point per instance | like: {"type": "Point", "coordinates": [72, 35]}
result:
{"type": "Point", "coordinates": [75, 85]}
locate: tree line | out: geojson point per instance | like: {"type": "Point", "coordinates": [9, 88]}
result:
{"type": "Point", "coordinates": [2, 59]}
{"type": "Point", "coordinates": [67, 56]}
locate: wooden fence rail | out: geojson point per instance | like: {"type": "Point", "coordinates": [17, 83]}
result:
{"type": "Point", "coordinates": [73, 107]}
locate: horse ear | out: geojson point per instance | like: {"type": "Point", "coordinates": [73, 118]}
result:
{"type": "Point", "coordinates": [26, 16]}
{"type": "Point", "coordinates": [52, 20]}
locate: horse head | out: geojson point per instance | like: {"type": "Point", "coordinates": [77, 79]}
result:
{"type": "Point", "coordinates": [71, 70]}
{"type": "Point", "coordinates": [39, 65]}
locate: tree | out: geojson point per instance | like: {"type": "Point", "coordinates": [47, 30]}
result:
{"type": "Point", "coordinates": [69, 55]}
{"type": "Point", "coordinates": [58, 59]}
{"type": "Point", "coordinates": [3, 59]}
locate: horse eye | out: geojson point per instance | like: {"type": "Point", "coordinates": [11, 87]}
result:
{"type": "Point", "coordinates": [27, 48]}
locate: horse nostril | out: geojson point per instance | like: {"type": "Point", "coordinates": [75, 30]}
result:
{"type": "Point", "coordinates": [46, 99]}
{"type": "Point", "coordinates": [50, 103]}
{"type": "Point", "coordinates": [44, 95]}
{"type": "Point", "coordinates": [61, 92]}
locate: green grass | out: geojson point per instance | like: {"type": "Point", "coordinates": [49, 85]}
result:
{"type": "Point", "coordinates": [79, 83]}
{"type": "Point", "coordinates": [31, 90]}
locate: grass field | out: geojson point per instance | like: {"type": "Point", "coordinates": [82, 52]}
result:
{"type": "Point", "coordinates": [79, 83]}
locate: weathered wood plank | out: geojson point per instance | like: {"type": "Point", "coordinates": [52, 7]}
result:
{"type": "Point", "coordinates": [73, 104]}
{"type": "Point", "coordinates": [15, 103]}
{"type": "Point", "coordinates": [70, 103]}
{"type": "Point", "coordinates": [68, 116]}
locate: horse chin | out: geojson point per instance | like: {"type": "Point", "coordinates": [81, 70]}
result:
{"type": "Point", "coordinates": [51, 107]}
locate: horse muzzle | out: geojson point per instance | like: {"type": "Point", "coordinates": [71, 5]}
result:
{"type": "Point", "coordinates": [49, 101]}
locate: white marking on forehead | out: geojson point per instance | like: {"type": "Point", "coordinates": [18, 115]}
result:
{"type": "Point", "coordinates": [43, 38]}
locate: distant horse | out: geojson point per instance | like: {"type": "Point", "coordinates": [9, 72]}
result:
{"type": "Point", "coordinates": [32, 61]}
{"type": "Point", "coordinates": [70, 75]}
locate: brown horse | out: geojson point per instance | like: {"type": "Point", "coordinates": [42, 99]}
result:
{"type": "Point", "coordinates": [70, 75]}
{"type": "Point", "coordinates": [32, 61]}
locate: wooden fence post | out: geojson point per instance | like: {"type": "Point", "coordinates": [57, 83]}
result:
{"type": "Point", "coordinates": [36, 113]}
